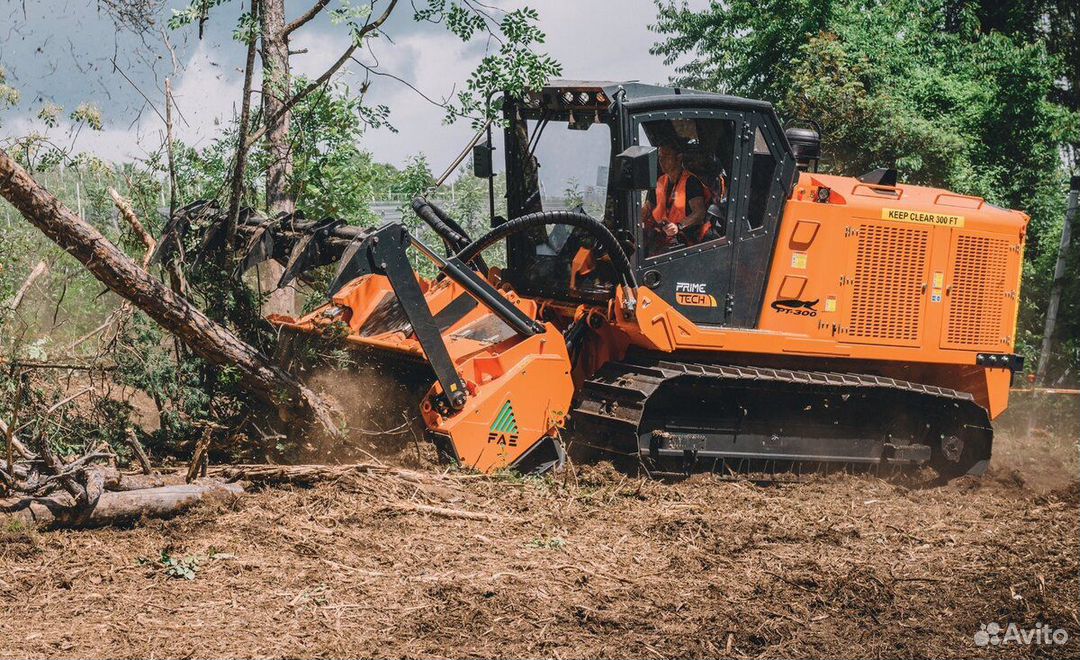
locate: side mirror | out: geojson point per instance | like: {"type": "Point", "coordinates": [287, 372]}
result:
{"type": "Point", "coordinates": [481, 161]}
{"type": "Point", "coordinates": [637, 168]}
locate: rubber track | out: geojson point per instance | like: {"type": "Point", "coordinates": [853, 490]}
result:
{"type": "Point", "coordinates": [615, 397]}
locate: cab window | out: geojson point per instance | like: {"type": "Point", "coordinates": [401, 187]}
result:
{"type": "Point", "coordinates": [762, 172]}
{"type": "Point", "coordinates": [688, 206]}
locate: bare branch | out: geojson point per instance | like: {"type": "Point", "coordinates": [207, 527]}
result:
{"type": "Point", "coordinates": [53, 408]}
{"type": "Point", "coordinates": [16, 444]}
{"type": "Point", "coordinates": [374, 71]}
{"type": "Point", "coordinates": [40, 269]}
{"type": "Point", "coordinates": [172, 52]}
{"type": "Point", "coordinates": [240, 161]}
{"type": "Point", "coordinates": [137, 449]}
{"type": "Point", "coordinates": [308, 15]}
{"type": "Point", "coordinates": [169, 145]}
{"type": "Point", "coordinates": [129, 214]}
{"type": "Point", "coordinates": [116, 67]}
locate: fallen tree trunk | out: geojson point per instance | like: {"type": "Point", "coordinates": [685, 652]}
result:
{"type": "Point", "coordinates": [111, 507]}
{"type": "Point", "coordinates": [117, 271]}
{"type": "Point", "coordinates": [115, 480]}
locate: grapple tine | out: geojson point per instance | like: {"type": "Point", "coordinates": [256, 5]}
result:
{"type": "Point", "coordinates": [311, 251]}
{"type": "Point", "coordinates": [259, 249]}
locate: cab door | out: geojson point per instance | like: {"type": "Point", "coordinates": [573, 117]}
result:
{"type": "Point", "coordinates": [759, 193]}
{"type": "Point", "coordinates": [694, 276]}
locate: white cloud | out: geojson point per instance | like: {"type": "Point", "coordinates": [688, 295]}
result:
{"type": "Point", "coordinates": [592, 40]}
{"type": "Point", "coordinates": [207, 94]}
{"type": "Point", "coordinates": [606, 40]}
{"type": "Point", "coordinates": [112, 143]}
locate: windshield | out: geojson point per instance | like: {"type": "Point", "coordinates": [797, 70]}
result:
{"type": "Point", "coordinates": [569, 168]}
{"type": "Point", "coordinates": [553, 167]}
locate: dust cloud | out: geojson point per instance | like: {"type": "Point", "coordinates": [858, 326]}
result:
{"type": "Point", "coordinates": [381, 411]}
{"type": "Point", "coordinates": [1037, 441]}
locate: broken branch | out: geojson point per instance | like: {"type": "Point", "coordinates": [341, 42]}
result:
{"type": "Point", "coordinates": [40, 269]}
{"type": "Point", "coordinates": [197, 456]}
{"type": "Point", "coordinates": [128, 214]}
{"type": "Point", "coordinates": [137, 449]}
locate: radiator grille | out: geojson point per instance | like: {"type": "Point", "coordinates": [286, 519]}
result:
{"type": "Point", "coordinates": [977, 293]}
{"type": "Point", "coordinates": [888, 283]}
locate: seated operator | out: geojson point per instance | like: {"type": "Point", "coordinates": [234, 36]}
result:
{"type": "Point", "coordinates": [674, 215]}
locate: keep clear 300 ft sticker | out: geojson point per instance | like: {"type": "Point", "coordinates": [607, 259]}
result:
{"type": "Point", "coordinates": [923, 217]}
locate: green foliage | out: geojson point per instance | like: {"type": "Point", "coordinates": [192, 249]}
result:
{"type": "Point", "coordinates": [180, 568]}
{"type": "Point", "coordinates": [247, 28]}
{"type": "Point", "coordinates": [347, 13]}
{"type": "Point", "coordinates": [50, 113]}
{"type": "Point", "coordinates": [572, 194]}
{"type": "Point", "coordinates": [470, 204]}
{"type": "Point", "coordinates": [70, 428]}
{"type": "Point", "coordinates": [332, 176]}
{"type": "Point", "coordinates": [416, 178]}
{"type": "Point", "coordinates": [514, 69]}
{"type": "Point", "coordinates": [197, 11]}
{"type": "Point", "coordinates": [9, 96]}
{"type": "Point", "coordinates": [146, 360]}
{"type": "Point", "coordinates": [89, 114]}
{"type": "Point", "coordinates": [739, 46]}
{"type": "Point", "coordinates": [961, 95]}
{"type": "Point", "coordinates": [548, 543]}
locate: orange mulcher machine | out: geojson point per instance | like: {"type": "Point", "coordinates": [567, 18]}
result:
{"type": "Point", "coordinates": [821, 321]}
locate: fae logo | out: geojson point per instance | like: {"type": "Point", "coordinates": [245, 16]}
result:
{"type": "Point", "coordinates": [504, 430]}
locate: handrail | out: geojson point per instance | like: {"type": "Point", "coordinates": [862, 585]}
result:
{"type": "Point", "coordinates": [980, 201]}
{"type": "Point", "coordinates": [892, 191]}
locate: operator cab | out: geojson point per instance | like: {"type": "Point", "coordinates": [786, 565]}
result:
{"type": "Point", "coordinates": [595, 147]}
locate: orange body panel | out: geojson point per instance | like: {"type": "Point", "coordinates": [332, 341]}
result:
{"type": "Point", "coordinates": [905, 281]}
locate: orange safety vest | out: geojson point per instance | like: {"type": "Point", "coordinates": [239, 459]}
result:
{"type": "Point", "coordinates": [675, 209]}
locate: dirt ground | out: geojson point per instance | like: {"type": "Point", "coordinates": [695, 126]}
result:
{"type": "Point", "coordinates": [592, 563]}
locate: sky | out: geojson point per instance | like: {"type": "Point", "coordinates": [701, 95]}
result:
{"type": "Point", "coordinates": [68, 53]}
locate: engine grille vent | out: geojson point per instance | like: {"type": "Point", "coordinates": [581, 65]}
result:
{"type": "Point", "coordinates": [888, 284]}
{"type": "Point", "coordinates": [977, 293]}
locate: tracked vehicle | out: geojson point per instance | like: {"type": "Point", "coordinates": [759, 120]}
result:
{"type": "Point", "coordinates": [820, 321]}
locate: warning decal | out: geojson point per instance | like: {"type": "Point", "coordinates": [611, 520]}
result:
{"type": "Point", "coordinates": [923, 217]}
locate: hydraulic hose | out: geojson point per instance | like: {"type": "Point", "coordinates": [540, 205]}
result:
{"type": "Point", "coordinates": [451, 223]}
{"type": "Point", "coordinates": [425, 211]}
{"type": "Point", "coordinates": [594, 227]}
{"type": "Point", "coordinates": [446, 227]}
